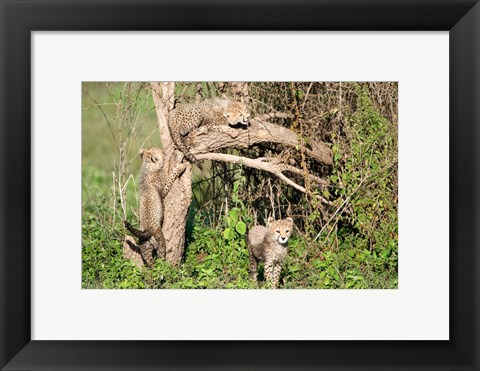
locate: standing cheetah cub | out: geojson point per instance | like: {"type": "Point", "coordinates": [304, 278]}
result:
{"type": "Point", "coordinates": [217, 114]}
{"type": "Point", "coordinates": [154, 187]}
{"type": "Point", "coordinates": [269, 245]}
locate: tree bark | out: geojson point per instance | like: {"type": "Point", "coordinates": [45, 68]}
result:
{"type": "Point", "coordinates": [177, 202]}
{"type": "Point", "coordinates": [260, 131]}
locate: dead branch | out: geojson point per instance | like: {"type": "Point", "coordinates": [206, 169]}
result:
{"type": "Point", "coordinates": [293, 169]}
{"type": "Point", "coordinates": [260, 131]}
{"type": "Point", "coordinates": [258, 164]}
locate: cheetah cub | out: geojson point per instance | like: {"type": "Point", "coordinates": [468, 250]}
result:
{"type": "Point", "coordinates": [154, 187]}
{"type": "Point", "coordinates": [216, 114]}
{"type": "Point", "coordinates": [269, 245]}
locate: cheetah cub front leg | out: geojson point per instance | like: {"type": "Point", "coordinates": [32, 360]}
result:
{"type": "Point", "coordinates": [225, 129]}
{"type": "Point", "coordinates": [272, 272]}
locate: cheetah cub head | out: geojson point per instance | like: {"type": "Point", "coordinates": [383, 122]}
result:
{"type": "Point", "coordinates": [237, 113]}
{"type": "Point", "coordinates": [280, 230]}
{"type": "Point", "coordinates": [152, 158]}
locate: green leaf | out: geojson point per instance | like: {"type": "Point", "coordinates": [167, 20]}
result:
{"type": "Point", "coordinates": [234, 215]}
{"type": "Point", "coordinates": [241, 228]}
{"type": "Point", "coordinates": [227, 233]}
{"type": "Point", "coordinates": [235, 186]}
{"type": "Point", "coordinates": [293, 269]}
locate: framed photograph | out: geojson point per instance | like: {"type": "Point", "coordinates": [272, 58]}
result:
{"type": "Point", "coordinates": [239, 185]}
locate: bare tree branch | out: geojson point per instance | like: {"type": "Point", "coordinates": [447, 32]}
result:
{"type": "Point", "coordinates": [258, 164]}
{"type": "Point", "coordinates": [260, 131]}
{"type": "Point", "coordinates": [293, 169]}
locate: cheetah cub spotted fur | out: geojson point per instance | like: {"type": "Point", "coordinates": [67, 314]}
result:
{"type": "Point", "coordinates": [269, 245]}
{"type": "Point", "coordinates": [154, 187]}
{"type": "Point", "coordinates": [216, 114]}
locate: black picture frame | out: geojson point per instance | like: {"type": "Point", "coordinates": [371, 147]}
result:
{"type": "Point", "coordinates": [18, 18]}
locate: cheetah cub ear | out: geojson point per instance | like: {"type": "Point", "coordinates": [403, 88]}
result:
{"type": "Point", "coordinates": [270, 220]}
{"type": "Point", "coordinates": [226, 114]}
{"type": "Point", "coordinates": [141, 152]}
{"type": "Point", "coordinates": [289, 219]}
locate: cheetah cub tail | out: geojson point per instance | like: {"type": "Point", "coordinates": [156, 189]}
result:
{"type": "Point", "coordinates": [141, 235]}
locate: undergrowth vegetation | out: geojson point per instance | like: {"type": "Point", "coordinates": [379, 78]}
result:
{"type": "Point", "coordinates": [350, 244]}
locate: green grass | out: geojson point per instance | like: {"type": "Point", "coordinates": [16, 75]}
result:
{"type": "Point", "coordinates": [103, 129]}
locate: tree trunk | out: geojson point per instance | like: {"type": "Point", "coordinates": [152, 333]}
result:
{"type": "Point", "coordinates": [177, 202]}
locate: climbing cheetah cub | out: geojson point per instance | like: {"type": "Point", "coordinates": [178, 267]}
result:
{"type": "Point", "coordinates": [154, 187]}
{"type": "Point", "coordinates": [217, 114]}
{"type": "Point", "coordinates": [269, 245]}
